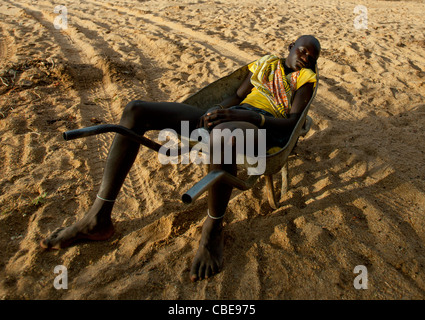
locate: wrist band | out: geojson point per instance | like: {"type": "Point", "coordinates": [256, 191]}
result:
{"type": "Point", "coordinates": [104, 199]}
{"type": "Point", "coordinates": [263, 119]}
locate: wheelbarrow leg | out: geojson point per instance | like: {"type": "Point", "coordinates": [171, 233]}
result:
{"type": "Point", "coordinates": [284, 180]}
{"type": "Point", "coordinates": [271, 195]}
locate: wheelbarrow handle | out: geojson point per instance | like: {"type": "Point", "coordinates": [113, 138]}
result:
{"type": "Point", "coordinates": [213, 177]}
{"type": "Point", "coordinates": [104, 128]}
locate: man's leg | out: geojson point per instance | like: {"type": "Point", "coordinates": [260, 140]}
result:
{"type": "Point", "coordinates": [140, 117]}
{"type": "Point", "coordinates": [209, 257]}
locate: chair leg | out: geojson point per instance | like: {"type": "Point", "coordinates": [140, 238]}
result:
{"type": "Point", "coordinates": [284, 180]}
{"type": "Point", "coordinates": [271, 195]}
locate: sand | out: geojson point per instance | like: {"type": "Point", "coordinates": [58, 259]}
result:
{"type": "Point", "coordinates": [357, 191]}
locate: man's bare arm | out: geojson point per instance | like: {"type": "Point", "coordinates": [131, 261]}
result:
{"type": "Point", "coordinates": [244, 89]}
{"type": "Point", "coordinates": [301, 99]}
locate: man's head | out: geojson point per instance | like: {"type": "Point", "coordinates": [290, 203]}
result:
{"type": "Point", "coordinates": [303, 53]}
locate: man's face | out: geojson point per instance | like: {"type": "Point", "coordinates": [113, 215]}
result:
{"type": "Point", "coordinates": [303, 54]}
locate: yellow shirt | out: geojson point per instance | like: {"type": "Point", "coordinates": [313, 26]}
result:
{"type": "Point", "coordinates": [256, 99]}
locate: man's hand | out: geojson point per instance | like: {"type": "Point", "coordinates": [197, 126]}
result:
{"type": "Point", "coordinates": [214, 117]}
{"type": "Point", "coordinates": [202, 121]}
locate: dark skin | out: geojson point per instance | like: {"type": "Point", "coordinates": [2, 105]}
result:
{"type": "Point", "coordinates": [144, 116]}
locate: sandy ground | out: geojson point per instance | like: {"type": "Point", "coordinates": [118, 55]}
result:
{"type": "Point", "coordinates": [357, 191]}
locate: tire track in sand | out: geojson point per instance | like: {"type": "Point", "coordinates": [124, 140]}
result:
{"type": "Point", "coordinates": [91, 74]}
{"type": "Point", "coordinates": [92, 21]}
{"type": "Point", "coordinates": [6, 44]}
{"type": "Point", "coordinates": [218, 46]}
{"type": "Point", "coordinates": [137, 189]}
{"type": "Point", "coordinates": [130, 82]}
{"type": "Point", "coordinates": [164, 46]}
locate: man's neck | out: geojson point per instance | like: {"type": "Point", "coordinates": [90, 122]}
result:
{"type": "Point", "coordinates": [286, 68]}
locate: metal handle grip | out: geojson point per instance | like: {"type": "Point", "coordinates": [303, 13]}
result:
{"type": "Point", "coordinates": [103, 128]}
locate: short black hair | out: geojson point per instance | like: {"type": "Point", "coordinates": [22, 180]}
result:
{"type": "Point", "coordinates": [312, 39]}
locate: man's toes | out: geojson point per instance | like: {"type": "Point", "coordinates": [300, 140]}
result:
{"type": "Point", "coordinates": [46, 244]}
{"type": "Point", "coordinates": [194, 271]}
{"type": "Point", "coordinates": [212, 270]}
{"type": "Point", "coordinates": [51, 242]}
{"type": "Point", "coordinates": [201, 272]}
{"type": "Point", "coordinates": [198, 271]}
{"type": "Point", "coordinates": [209, 272]}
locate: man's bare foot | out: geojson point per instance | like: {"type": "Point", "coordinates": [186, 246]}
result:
{"type": "Point", "coordinates": [95, 225]}
{"type": "Point", "coordinates": [209, 257]}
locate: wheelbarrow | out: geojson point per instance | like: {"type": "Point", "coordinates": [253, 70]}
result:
{"type": "Point", "coordinates": [204, 99]}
